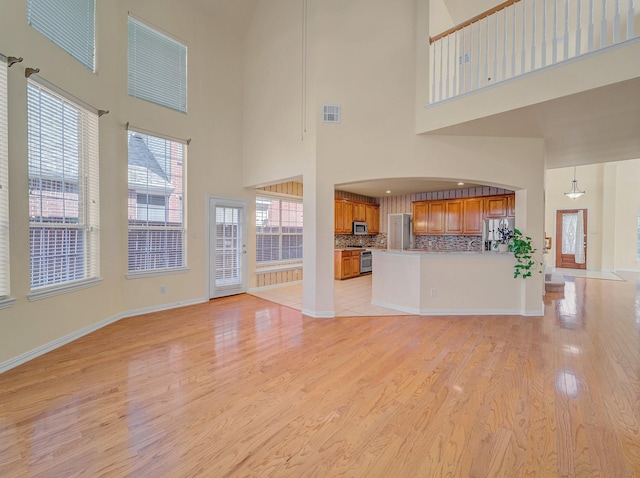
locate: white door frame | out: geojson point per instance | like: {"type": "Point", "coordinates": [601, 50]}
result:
{"type": "Point", "coordinates": [212, 202]}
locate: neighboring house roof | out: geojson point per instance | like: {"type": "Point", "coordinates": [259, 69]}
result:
{"type": "Point", "coordinates": [145, 173]}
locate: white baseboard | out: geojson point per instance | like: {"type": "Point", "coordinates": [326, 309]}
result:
{"type": "Point", "coordinates": [330, 314]}
{"type": "Point", "coordinates": [625, 270]}
{"type": "Point", "coordinates": [43, 349]}
{"type": "Point", "coordinates": [410, 310]}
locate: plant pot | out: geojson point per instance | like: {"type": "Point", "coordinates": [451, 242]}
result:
{"type": "Point", "coordinates": [503, 247]}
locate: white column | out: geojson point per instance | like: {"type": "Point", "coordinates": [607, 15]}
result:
{"type": "Point", "coordinates": [318, 245]}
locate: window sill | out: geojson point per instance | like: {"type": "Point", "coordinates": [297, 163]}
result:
{"type": "Point", "coordinates": [156, 273]}
{"type": "Point", "coordinates": [6, 302]}
{"type": "Point", "coordinates": [279, 267]}
{"type": "Point", "coordinates": [52, 291]}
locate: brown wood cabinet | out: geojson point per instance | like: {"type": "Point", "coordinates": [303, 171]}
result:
{"type": "Point", "coordinates": [472, 216]}
{"type": "Point", "coordinates": [420, 216]}
{"type": "Point", "coordinates": [343, 216]}
{"type": "Point", "coordinates": [498, 207]}
{"type": "Point", "coordinates": [345, 212]}
{"type": "Point", "coordinates": [372, 217]}
{"type": "Point", "coordinates": [448, 217]}
{"type": "Point", "coordinates": [346, 264]}
{"type": "Point", "coordinates": [453, 218]}
{"type": "Point", "coordinates": [436, 223]}
{"type": "Point", "coordinates": [511, 205]}
{"type": "Point", "coordinates": [359, 211]}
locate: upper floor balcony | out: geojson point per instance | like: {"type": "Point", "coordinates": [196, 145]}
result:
{"type": "Point", "coordinates": [525, 52]}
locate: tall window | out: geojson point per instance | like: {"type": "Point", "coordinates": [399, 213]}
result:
{"type": "Point", "coordinates": [63, 189]}
{"type": "Point", "coordinates": [278, 229]}
{"type": "Point", "coordinates": [156, 185]}
{"type": "Point", "coordinates": [70, 24]}
{"type": "Point", "coordinates": [4, 184]}
{"type": "Point", "coordinates": [157, 67]}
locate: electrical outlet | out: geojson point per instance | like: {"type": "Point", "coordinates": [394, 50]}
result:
{"type": "Point", "coordinates": [434, 292]}
{"type": "Point", "coordinates": [162, 289]}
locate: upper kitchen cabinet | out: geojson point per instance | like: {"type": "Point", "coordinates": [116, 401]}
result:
{"type": "Point", "coordinates": [343, 216]}
{"type": "Point", "coordinates": [472, 215]}
{"type": "Point", "coordinates": [420, 215]}
{"type": "Point", "coordinates": [497, 207]}
{"type": "Point", "coordinates": [372, 217]}
{"type": "Point", "coordinates": [448, 216]}
{"type": "Point", "coordinates": [359, 212]}
{"type": "Point", "coordinates": [453, 218]}
{"type": "Point", "coordinates": [511, 205]}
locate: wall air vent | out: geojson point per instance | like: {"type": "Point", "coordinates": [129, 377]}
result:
{"type": "Point", "coordinates": [331, 113]}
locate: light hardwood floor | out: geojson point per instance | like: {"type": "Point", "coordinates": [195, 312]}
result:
{"type": "Point", "coordinates": [245, 387]}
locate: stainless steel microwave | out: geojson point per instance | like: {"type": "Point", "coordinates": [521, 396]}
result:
{"type": "Point", "coordinates": [360, 228]}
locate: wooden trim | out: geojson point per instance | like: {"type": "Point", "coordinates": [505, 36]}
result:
{"type": "Point", "coordinates": [478, 17]}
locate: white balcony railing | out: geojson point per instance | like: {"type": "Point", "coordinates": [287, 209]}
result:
{"type": "Point", "coordinates": [520, 36]}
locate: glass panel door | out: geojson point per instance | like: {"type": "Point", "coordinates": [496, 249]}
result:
{"type": "Point", "coordinates": [227, 249]}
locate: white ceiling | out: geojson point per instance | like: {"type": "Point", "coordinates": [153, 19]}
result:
{"type": "Point", "coordinates": [596, 126]}
{"type": "Point", "coordinates": [400, 186]}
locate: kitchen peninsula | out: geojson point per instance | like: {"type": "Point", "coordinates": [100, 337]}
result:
{"type": "Point", "coordinates": [446, 283]}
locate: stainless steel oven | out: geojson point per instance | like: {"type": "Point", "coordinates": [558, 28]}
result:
{"type": "Point", "coordinates": [366, 262]}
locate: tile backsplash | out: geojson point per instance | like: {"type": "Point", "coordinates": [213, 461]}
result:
{"type": "Point", "coordinates": [429, 243]}
{"type": "Point", "coordinates": [448, 243]}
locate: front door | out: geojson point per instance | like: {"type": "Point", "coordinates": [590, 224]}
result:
{"type": "Point", "coordinates": [227, 247]}
{"type": "Point", "coordinates": [571, 238]}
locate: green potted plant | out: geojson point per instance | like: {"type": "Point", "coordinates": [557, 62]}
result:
{"type": "Point", "coordinates": [523, 251]}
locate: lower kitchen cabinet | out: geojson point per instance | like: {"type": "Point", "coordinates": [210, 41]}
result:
{"type": "Point", "coordinates": [346, 264]}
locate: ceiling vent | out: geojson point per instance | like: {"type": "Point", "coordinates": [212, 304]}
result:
{"type": "Point", "coordinates": [331, 113]}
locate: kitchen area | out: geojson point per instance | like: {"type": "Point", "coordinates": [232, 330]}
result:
{"type": "Point", "coordinates": [432, 253]}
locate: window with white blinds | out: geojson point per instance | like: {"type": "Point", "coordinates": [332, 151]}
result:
{"type": "Point", "coordinates": [278, 230]}
{"type": "Point", "coordinates": [70, 24]}
{"type": "Point", "coordinates": [4, 184]}
{"type": "Point", "coordinates": [157, 67]}
{"type": "Point", "coordinates": [155, 203]}
{"type": "Point", "coordinates": [64, 214]}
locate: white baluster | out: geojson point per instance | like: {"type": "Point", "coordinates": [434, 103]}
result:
{"type": "Point", "coordinates": [513, 43]}
{"type": "Point", "coordinates": [603, 25]}
{"type": "Point", "coordinates": [579, 27]}
{"type": "Point", "coordinates": [463, 69]}
{"type": "Point", "coordinates": [495, 50]}
{"type": "Point", "coordinates": [448, 67]}
{"type": "Point", "coordinates": [543, 60]}
{"type": "Point", "coordinates": [471, 62]}
{"type": "Point", "coordinates": [523, 53]}
{"type": "Point", "coordinates": [504, 45]}
{"type": "Point", "coordinates": [554, 41]}
{"type": "Point", "coordinates": [616, 23]}
{"type": "Point", "coordinates": [440, 83]}
{"type": "Point", "coordinates": [566, 29]}
{"type": "Point", "coordinates": [533, 36]}
{"type": "Point", "coordinates": [630, 20]}
{"type": "Point", "coordinates": [486, 50]}
{"type": "Point", "coordinates": [479, 84]}
{"type": "Point", "coordinates": [456, 64]}
{"type": "Point", "coordinates": [433, 74]}
{"type": "Point", "coordinates": [591, 27]}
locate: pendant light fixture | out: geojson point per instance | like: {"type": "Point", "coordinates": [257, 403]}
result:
{"type": "Point", "coordinates": [575, 193]}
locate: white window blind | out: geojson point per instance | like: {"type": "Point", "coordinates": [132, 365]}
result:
{"type": "Point", "coordinates": [64, 215]}
{"type": "Point", "coordinates": [70, 24]}
{"type": "Point", "coordinates": [278, 229]}
{"type": "Point", "coordinates": [155, 203]}
{"type": "Point", "coordinates": [4, 184]}
{"type": "Point", "coordinates": [157, 67]}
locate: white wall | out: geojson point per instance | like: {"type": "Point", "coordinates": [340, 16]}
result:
{"type": "Point", "coordinates": [213, 166]}
{"type": "Point", "coordinates": [364, 54]}
{"type": "Point", "coordinates": [612, 200]}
